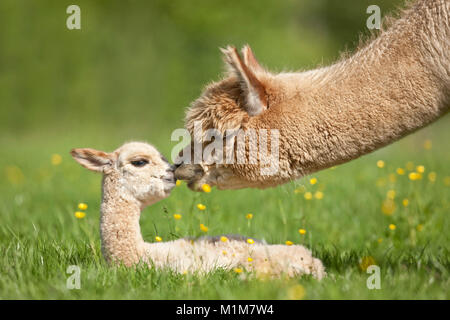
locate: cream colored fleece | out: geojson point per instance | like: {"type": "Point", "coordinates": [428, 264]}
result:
{"type": "Point", "coordinates": [122, 242]}
{"type": "Point", "coordinates": [135, 176]}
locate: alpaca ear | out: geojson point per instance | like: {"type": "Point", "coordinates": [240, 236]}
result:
{"type": "Point", "coordinates": [250, 59]}
{"type": "Point", "coordinates": [92, 159]}
{"type": "Point", "coordinates": [253, 89]}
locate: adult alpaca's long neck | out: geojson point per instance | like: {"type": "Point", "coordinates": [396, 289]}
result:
{"type": "Point", "coordinates": [395, 85]}
{"type": "Point", "coordinates": [119, 224]}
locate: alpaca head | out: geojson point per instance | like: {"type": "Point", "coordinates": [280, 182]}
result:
{"type": "Point", "coordinates": [136, 169]}
{"type": "Point", "coordinates": [229, 104]}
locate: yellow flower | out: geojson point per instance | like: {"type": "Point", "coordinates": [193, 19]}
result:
{"type": "Point", "coordinates": [420, 169]}
{"type": "Point", "coordinates": [313, 180]}
{"type": "Point", "coordinates": [392, 227]}
{"type": "Point", "coordinates": [432, 176]}
{"type": "Point", "coordinates": [224, 252]}
{"type": "Point", "coordinates": [178, 183]}
{"type": "Point", "coordinates": [203, 227]}
{"type": "Point", "coordinates": [419, 227]}
{"type": "Point", "coordinates": [249, 259]}
{"type": "Point", "coordinates": [157, 238]}
{"type": "Point", "coordinates": [414, 176]}
{"type": "Point", "coordinates": [249, 216]}
{"type": "Point", "coordinates": [80, 214]}
{"type": "Point", "coordinates": [223, 239]}
{"type": "Point", "coordinates": [405, 202]}
{"type": "Point", "coordinates": [296, 292]}
{"type": "Point", "coordinates": [82, 206]}
{"type": "Point", "coordinates": [302, 231]}
{"type": "Point", "coordinates": [388, 207]}
{"type": "Point", "coordinates": [318, 195]}
{"type": "Point", "coordinates": [250, 241]}
{"type": "Point", "coordinates": [400, 171]}
{"type": "Point", "coordinates": [427, 144]}
{"type": "Point", "coordinates": [380, 164]}
{"type": "Point", "coordinates": [177, 216]}
{"type": "Point", "coordinates": [391, 194]}
{"type": "Point", "coordinates": [380, 240]}
{"type": "Point", "coordinates": [201, 207]}
{"type": "Point", "coordinates": [410, 166]}
{"type": "Point", "coordinates": [366, 262]}
{"type": "Point", "coordinates": [289, 243]}
{"type": "Point", "coordinates": [237, 270]}
{"type": "Point", "coordinates": [206, 188]}
{"type": "Point", "coordinates": [447, 181]}
{"type": "Point", "coordinates": [308, 195]}
{"type": "Point", "coordinates": [56, 159]}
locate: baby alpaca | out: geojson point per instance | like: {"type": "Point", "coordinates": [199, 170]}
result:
{"type": "Point", "coordinates": [135, 176]}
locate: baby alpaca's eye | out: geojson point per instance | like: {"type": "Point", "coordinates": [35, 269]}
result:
{"type": "Point", "coordinates": [139, 163]}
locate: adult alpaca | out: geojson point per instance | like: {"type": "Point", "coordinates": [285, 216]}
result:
{"type": "Point", "coordinates": [395, 84]}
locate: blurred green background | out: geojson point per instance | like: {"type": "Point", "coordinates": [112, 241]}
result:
{"type": "Point", "coordinates": [135, 66]}
{"type": "Point", "coordinates": [129, 74]}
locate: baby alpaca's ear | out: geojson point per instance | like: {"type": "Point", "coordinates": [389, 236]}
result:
{"type": "Point", "coordinates": [92, 159]}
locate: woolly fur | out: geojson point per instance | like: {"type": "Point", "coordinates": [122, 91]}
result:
{"type": "Point", "coordinates": [392, 86]}
{"type": "Point", "coordinates": [127, 190]}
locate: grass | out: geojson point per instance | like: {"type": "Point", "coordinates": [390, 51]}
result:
{"type": "Point", "coordinates": [40, 236]}
{"type": "Point", "coordinates": [128, 75]}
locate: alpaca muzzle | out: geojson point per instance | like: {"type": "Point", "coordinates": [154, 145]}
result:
{"type": "Point", "coordinates": [189, 172]}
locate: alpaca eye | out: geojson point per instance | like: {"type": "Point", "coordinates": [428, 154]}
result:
{"type": "Point", "coordinates": [139, 163]}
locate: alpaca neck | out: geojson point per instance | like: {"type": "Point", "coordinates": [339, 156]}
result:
{"type": "Point", "coordinates": [119, 224]}
{"type": "Point", "coordinates": [397, 84]}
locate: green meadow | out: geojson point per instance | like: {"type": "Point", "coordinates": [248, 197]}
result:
{"type": "Point", "coordinates": [129, 74]}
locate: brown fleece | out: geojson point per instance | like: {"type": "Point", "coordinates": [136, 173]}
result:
{"type": "Point", "coordinates": [396, 84]}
